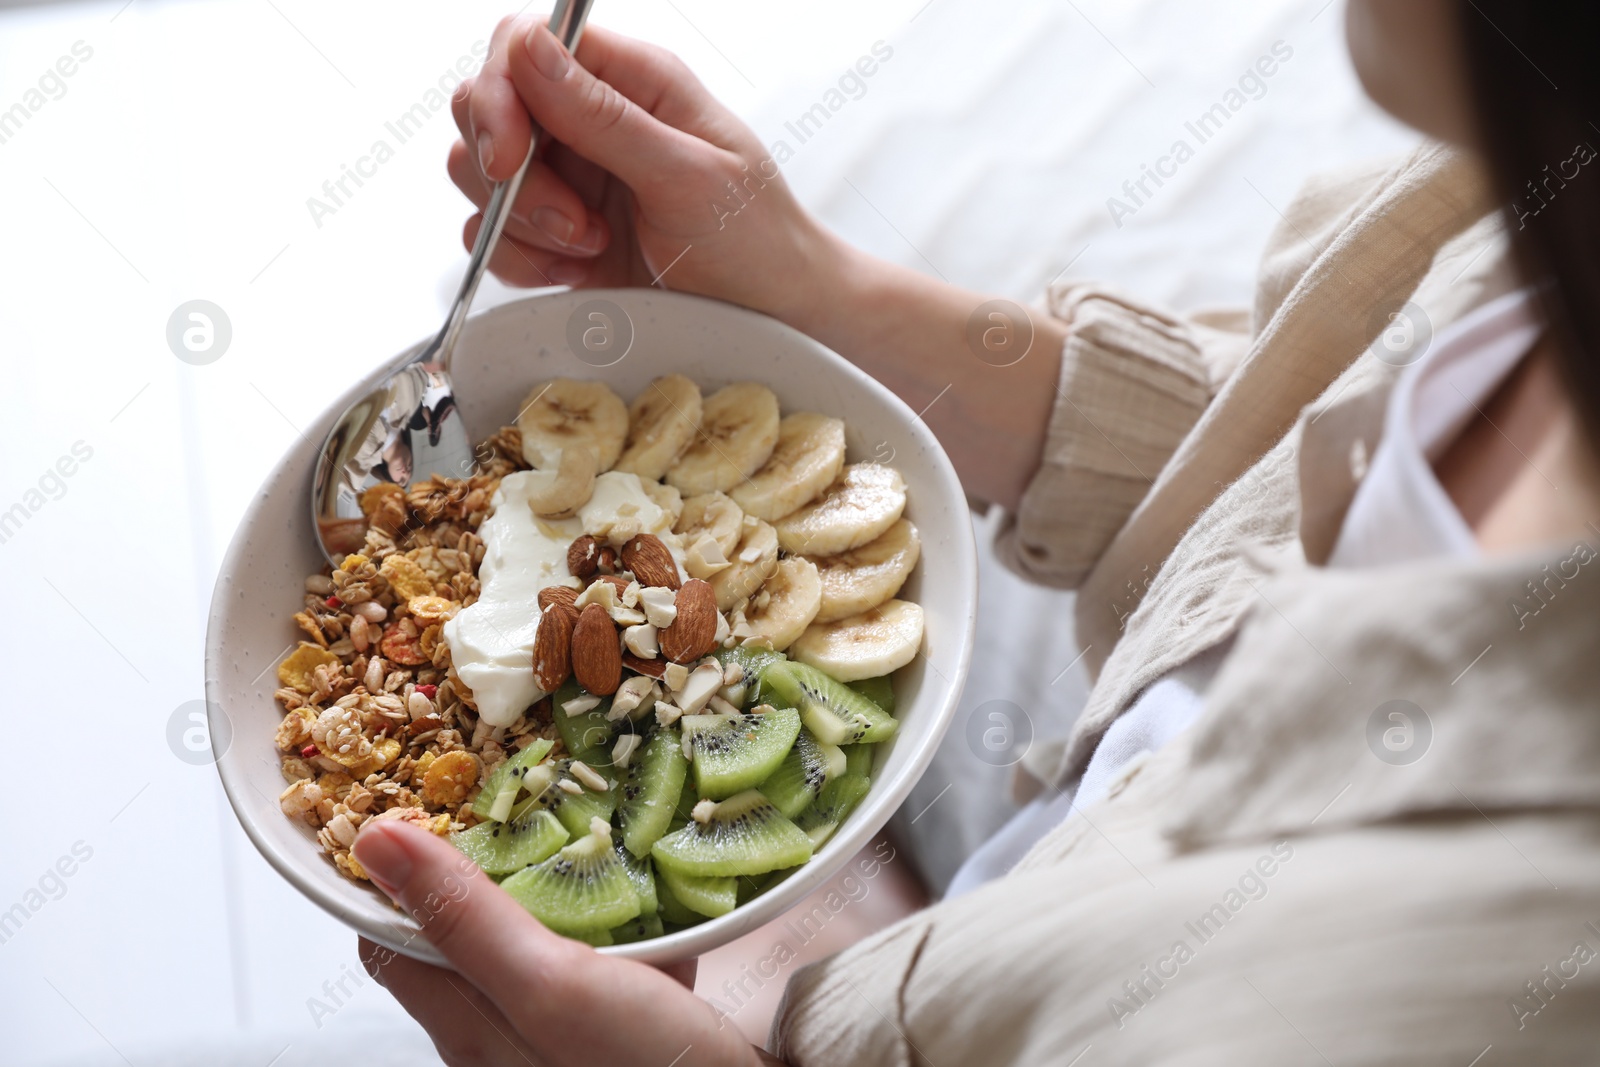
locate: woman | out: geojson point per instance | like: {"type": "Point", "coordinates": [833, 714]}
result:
{"type": "Point", "coordinates": [1334, 797]}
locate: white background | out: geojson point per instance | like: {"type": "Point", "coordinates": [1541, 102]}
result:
{"type": "Point", "coordinates": [177, 166]}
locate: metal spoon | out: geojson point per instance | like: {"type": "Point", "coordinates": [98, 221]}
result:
{"type": "Point", "coordinates": [408, 429]}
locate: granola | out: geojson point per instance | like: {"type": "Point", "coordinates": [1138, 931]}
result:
{"type": "Point", "coordinates": [375, 725]}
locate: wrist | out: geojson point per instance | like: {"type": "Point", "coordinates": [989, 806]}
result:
{"type": "Point", "coordinates": [822, 280]}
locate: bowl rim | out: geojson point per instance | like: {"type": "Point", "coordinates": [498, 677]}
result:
{"type": "Point", "coordinates": [402, 934]}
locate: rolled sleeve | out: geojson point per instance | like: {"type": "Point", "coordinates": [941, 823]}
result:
{"type": "Point", "coordinates": [1134, 382]}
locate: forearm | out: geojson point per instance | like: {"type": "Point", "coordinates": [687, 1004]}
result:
{"type": "Point", "coordinates": [989, 404]}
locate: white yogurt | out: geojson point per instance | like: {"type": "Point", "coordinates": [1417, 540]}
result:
{"type": "Point", "coordinates": [491, 642]}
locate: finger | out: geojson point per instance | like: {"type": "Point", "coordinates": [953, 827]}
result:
{"type": "Point", "coordinates": [518, 263]}
{"type": "Point", "coordinates": [597, 120]}
{"type": "Point", "coordinates": [465, 1025]}
{"type": "Point", "coordinates": [547, 212]}
{"type": "Point", "coordinates": [461, 912]}
{"type": "Point", "coordinates": [499, 128]}
{"type": "Point", "coordinates": [682, 972]}
{"type": "Point", "coordinates": [458, 105]}
{"type": "Point", "coordinates": [560, 993]}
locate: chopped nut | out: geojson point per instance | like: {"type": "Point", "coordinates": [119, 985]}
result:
{"type": "Point", "coordinates": [702, 685]}
{"type": "Point", "coordinates": [659, 605]}
{"type": "Point", "coordinates": [704, 810]}
{"type": "Point", "coordinates": [625, 747]}
{"type": "Point", "coordinates": [641, 641]}
{"type": "Point", "coordinates": [589, 776]}
{"type": "Point", "coordinates": [630, 695]}
{"type": "Point", "coordinates": [371, 610]}
{"type": "Point", "coordinates": [569, 786]}
{"type": "Point", "coordinates": [676, 675]}
{"type": "Point", "coordinates": [579, 705]}
{"type": "Point", "coordinates": [418, 706]}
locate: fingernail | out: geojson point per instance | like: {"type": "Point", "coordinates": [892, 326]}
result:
{"type": "Point", "coordinates": [385, 859]}
{"type": "Point", "coordinates": [485, 151]}
{"type": "Point", "coordinates": [549, 58]}
{"type": "Point", "coordinates": [568, 273]}
{"type": "Point", "coordinates": [554, 223]}
{"type": "Point", "coordinates": [592, 240]}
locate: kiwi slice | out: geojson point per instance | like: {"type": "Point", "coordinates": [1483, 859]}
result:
{"type": "Point", "coordinates": [644, 880]}
{"type": "Point", "coordinates": [744, 834]}
{"type": "Point", "coordinates": [641, 929]}
{"type": "Point", "coordinates": [670, 908]}
{"type": "Point", "coordinates": [575, 810]}
{"type": "Point", "coordinates": [801, 775]}
{"type": "Point", "coordinates": [651, 787]}
{"type": "Point", "coordinates": [751, 661]}
{"type": "Point", "coordinates": [858, 759]}
{"type": "Point", "coordinates": [687, 799]}
{"type": "Point", "coordinates": [834, 804]}
{"type": "Point", "coordinates": [879, 690]}
{"type": "Point", "coordinates": [732, 753]}
{"type": "Point", "coordinates": [500, 791]}
{"type": "Point", "coordinates": [597, 938]}
{"type": "Point", "coordinates": [581, 889]}
{"type": "Point", "coordinates": [832, 710]}
{"type": "Point", "coordinates": [587, 735]}
{"type": "Point", "coordinates": [705, 896]}
{"type": "Point", "coordinates": [500, 848]}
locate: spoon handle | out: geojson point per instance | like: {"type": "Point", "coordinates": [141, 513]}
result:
{"type": "Point", "coordinates": [566, 23]}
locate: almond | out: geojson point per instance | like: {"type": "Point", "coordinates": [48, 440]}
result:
{"type": "Point", "coordinates": [648, 557]}
{"type": "Point", "coordinates": [552, 647]}
{"type": "Point", "coordinates": [608, 559]}
{"type": "Point", "coordinates": [596, 652]}
{"type": "Point", "coordinates": [583, 556]}
{"type": "Point", "coordinates": [650, 668]}
{"type": "Point", "coordinates": [557, 594]}
{"type": "Point", "coordinates": [694, 630]}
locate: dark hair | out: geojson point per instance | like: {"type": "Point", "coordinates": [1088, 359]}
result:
{"type": "Point", "coordinates": [1535, 81]}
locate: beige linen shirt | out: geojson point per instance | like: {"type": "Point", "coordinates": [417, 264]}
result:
{"type": "Point", "coordinates": [1302, 877]}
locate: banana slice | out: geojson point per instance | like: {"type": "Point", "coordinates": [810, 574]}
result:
{"type": "Point", "coordinates": [558, 494]}
{"type": "Point", "coordinates": [865, 500]}
{"type": "Point", "coordinates": [865, 577]}
{"type": "Point", "coordinates": [785, 605]}
{"type": "Point", "coordinates": [808, 457]}
{"type": "Point", "coordinates": [752, 562]}
{"type": "Point", "coordinates": [661, 423]}
{"type": "Point", "coordinates": [715, 514]}
{"type": "Point", "coordinates": [738, 430]}
{"type": "Point", "coordinates": [564, 412]}
{"type": "Point", "coordinates": [873, 643]}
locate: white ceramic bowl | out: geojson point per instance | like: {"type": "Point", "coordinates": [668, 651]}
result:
{"type": "Point", "coordinates": [502, 352]}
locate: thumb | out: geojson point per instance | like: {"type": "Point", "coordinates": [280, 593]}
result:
{"type": "Point", "coordinates": [487, 936]}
